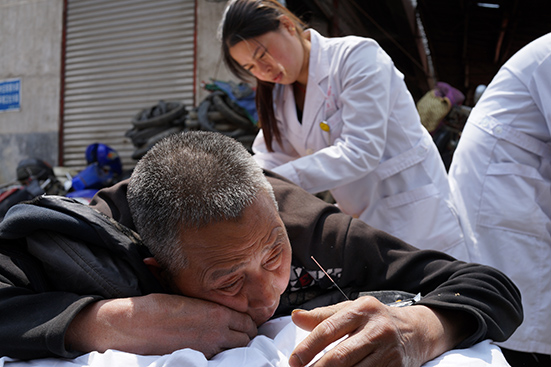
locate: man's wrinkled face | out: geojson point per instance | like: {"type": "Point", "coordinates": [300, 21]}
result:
{"type": "Point", "coordinates": [244, 264]}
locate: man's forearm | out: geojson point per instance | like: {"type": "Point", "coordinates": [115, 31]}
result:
{"type": "Point", "coordinates": [159, 324]}
{"type": "Point", "coordinates": [99, 326]}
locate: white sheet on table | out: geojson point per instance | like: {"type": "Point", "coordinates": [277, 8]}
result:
{"type": "Point", "coordinates": [271, 348]}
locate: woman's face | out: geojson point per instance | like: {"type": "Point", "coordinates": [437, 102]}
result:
{"type": "Point", "coordinates": [276, 57]}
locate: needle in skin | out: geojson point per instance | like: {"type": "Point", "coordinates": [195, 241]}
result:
{"type": "Point", "coordinates": [331, 279]}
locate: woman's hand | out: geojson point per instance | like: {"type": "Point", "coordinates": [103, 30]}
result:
{"type": "Point", "coordinates": [377, 334]}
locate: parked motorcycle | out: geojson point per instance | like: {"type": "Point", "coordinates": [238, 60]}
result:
{"type": "Point", "coordinates": [36, 177]}
{"type": "Point", "coordinates": [103, 170]}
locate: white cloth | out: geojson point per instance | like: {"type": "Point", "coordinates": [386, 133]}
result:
{"type": "Point", "coordinates": [501, 183]}
{"type": "Point", "coordinates": [373, 153]}
{"type": "Point", "coordinates": [272, 349]}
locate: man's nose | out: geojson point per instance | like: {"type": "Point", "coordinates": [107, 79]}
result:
{"type": "Point", "coordinates": [262, 292]}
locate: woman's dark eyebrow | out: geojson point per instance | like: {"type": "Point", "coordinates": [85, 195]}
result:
{"type": "Point", "coordinates": [256, 51]}
{"type": "Point", "coordinates": [260, 46]}
{"type": "Point", "coordinates": [253, 56]}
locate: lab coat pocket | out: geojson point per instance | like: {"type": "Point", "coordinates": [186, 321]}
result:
{"type": "Point", "coordinates": [512, 199]}
{"type": "Point", "coordinates": [411, 196]}
{"type": "Point", "coordinates": [420, 214]}
{"type": "Point", "coordinates": [331, 127]}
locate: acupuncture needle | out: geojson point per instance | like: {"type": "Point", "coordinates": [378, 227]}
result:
{"type": "Point", "coordinates": [331, 279]}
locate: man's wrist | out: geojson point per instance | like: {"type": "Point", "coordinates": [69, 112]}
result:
{"type": "Point", "coordinates": [448, 328]}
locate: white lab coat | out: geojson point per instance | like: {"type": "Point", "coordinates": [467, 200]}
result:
{"type": "Point", "coordinates": [501, 183]}
{"type": "Point", "coordinates": [376, 158]}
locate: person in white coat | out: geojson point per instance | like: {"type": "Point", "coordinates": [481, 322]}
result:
{"type": "Point", "coordinates": [336, 115]}
{"type": "Point", "coordinates": [501, 182]}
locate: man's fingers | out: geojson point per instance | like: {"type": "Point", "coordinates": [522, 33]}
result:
{"type": "Point", "coordinates": [231, 339]}
{"type": "Point", "coordinates": [308, 320]}
{"type": "Point", "coordinates": [329, 330]}
{"type": "Point", "coordinates": [231, 329]}
{"type": "Point", "coordinates": [236, 339]}
{"type": "Point", "coordinates": [349, 352]}
{"type": "Point", "coordinates": [243, 323]}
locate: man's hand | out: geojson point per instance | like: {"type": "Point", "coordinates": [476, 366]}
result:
{"type": "Point", "coordinates": [159, 324]}
{"type": "Point", "coordinates": [377, 334]}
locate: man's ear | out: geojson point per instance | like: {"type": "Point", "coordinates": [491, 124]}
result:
{"type": "Point", "coordinates": [153, 267]}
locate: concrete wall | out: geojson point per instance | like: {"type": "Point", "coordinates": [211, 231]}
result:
{"type": "Point", "coordinates": [31, 39]}
{"type": "Point", "coordinates": [209, 60]}
{"type": "Point", "coordinates": [30, 35]}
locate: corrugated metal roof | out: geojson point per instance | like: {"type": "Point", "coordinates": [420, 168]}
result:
{"type": "Point", "coordinates": [467, 40]}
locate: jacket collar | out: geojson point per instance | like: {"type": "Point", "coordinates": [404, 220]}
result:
{"type": "Point", "coordinates": [319, 60]}
{"type": "Point", "coordinates": [316, 90]}
{"type": "Point", "coordinates": [318, 73]}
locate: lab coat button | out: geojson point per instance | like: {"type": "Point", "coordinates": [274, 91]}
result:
{"type": "Point", "coordinates": [498, 130]}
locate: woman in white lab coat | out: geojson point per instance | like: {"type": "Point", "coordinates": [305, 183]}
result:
{"type": "Point", "coordinates": [501, 180]}
{"type": "Point", "coordinates": [336, 115]}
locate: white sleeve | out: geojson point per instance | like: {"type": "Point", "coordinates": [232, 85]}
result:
{"type": "Point", "coordinates": [271, 160]}
{"type": "Point", "coordinates": [540, 89]}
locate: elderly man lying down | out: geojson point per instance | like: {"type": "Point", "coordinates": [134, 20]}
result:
{"type": "Point", "coordinates": [222, 248]}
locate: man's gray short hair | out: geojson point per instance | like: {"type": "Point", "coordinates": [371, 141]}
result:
{"type": "Point", "coordinates": [187, 181]}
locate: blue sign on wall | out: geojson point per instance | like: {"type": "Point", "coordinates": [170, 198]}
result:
{"type": "Point", "coordinates": [10, 95]}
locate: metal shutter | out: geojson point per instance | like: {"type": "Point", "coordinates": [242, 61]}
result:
{"type": "Point", "coordinates": [121, 57]}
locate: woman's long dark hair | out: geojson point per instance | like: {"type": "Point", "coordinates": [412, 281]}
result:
{"type": "Point", "coordinates": [246, 19]}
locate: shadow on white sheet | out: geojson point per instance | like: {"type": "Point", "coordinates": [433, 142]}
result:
{"type": "Point", "coordinates": [271, 348]}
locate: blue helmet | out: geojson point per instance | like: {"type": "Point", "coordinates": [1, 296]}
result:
{"type": "Point", "coordinates": [104, 165]}
{"type": "Point", "coordinates": [106, 157]}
